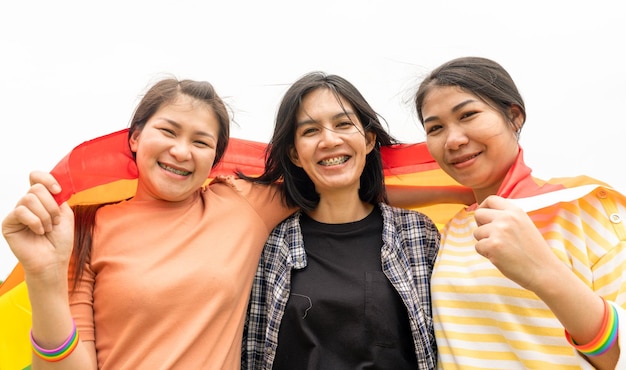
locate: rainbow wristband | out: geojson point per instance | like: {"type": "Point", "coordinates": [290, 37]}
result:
{"type": "Point", "coordinates": [57, 354]}
{"type": "Point", "coordinates": [606, 338]}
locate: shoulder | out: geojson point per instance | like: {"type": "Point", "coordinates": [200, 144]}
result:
{"type": "Point", "coordinates": [288, 224]}
{"type": "Point", "coordinates": [573, 192]}
{"type": "Point", "coordinates": [104, 210]}
{"type": "Point", "coordinates": [410, 231]}
{"type": "Point", "coordinates": [576, 181]}
{"type": "Point", "coordinates": [606, 205]}
{"type": "Point", "coordinates": [403, 214]}
{"type": "Point", "coordinates": [285, 239]}
{"type": "Point", "coordinates": [243, 187]}
{"type": "Point", "coordinates": [266, 200]}
{"type": "Point", "coordinates": [229, 182]}
{"type": "Point", "coordinates": [228, 186]}
{"type": "Point", "coordinates": [404, 221]}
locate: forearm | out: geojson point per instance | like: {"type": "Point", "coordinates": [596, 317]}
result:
{"type": "Point", "coordinates": [52, 324]}
{"type": "Point", "coordinates": [580, 310]}
{"type": "Point", "coordinates": [420, 196]}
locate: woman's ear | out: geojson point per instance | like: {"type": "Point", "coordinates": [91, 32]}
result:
{"type": "Point", "coordinates": [293, 156]}
{"type": "Point", "coordinates": [370, 137]}
{"type": "Point", "coordinates": [133, 142]}
{"type": "Point", "coordinates": [517, 117]}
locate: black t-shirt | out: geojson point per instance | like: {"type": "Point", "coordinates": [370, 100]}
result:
{"type": "Point", "coordinates": [342, 312]}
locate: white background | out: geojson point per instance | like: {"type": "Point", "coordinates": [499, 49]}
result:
{"type": "Point", "coordinates": [72, 71]}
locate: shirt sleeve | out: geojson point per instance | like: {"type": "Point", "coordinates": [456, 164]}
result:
{"type": "Point", "coordinates": [266, 200]}
{"type": "Point", "coordinates": [81, 304]}
{"type": "Point", "coordinates": [609, 281]}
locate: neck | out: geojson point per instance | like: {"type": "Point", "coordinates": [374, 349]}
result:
{"type": "Point", "coordinates": [340, 210]}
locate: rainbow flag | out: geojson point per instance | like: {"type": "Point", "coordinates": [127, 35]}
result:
{"type": "Point", "coordinates": [103, 170]}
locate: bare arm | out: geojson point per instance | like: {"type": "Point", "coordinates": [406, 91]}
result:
{"type": "Point", "coordinates": [510, 240]}
{"type": "Point", "coordinates": [40, 233]}
{"type": "Point", "coordinates": [410, 196]}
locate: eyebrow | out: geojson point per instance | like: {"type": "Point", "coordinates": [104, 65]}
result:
{"type": "Point", "coordinates": [310, 120]}
{"type": "Point", "coordinates": [455, 109]}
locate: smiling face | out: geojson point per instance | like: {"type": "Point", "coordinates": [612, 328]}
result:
{"type": "Point", "coordinates": [175, 150]}
{"type": "Point", "coordinates": [329, 143]}
{"type": "Point", "coordinates": [470, 140]}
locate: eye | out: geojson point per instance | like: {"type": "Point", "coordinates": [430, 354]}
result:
{"type": "Point", "coordinates": [201, 143]}
{"type": "Point", "coordinates": [205, 143]}
{"type": "Point", "coordinates": [346, 126]}
{"type": "Point", "coordinates": [308, 130]}
{"type": "Point", "coordinates": [167, 131]}
{"type": "Point", "coordinates": [432, 128]}
{"type": "Point", "coordinates": [468, 114]}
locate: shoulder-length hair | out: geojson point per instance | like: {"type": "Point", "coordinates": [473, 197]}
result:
{"type": "Point", "coordinates": [299, 190]}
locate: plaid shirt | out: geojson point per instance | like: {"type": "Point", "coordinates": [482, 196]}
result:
{"type": "Point", "coordinates": [410, 245]}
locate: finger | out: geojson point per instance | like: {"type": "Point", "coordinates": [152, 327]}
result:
{"type": "Point", "coordinates": [493, 202]}
{"type": "Point", "coordinates": [47, 200]}
{"type": "Point", "coordinates": [22, 217]}
{"type": "Point", "coordinates": [38, 210]}
{"type": "Point", "coordinates": [484, 232]}
{"type": "Point", "coordinates": [481, 233]}
{"type": "Point", "coordinates": [481, 248]}
{"type": "Point", "coordinates": [485, 216]}
{"type": "Point", "coordinates": [46, 179]}
{"type": "Point", "coordinates": [488, 241]}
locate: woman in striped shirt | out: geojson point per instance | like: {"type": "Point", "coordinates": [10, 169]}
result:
{"type": "Point", "coordinates": [532, 275]}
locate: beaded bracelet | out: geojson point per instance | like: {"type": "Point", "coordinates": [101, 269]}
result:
{"type": "Point", "coordinates": [606, 338]}
{"type": "Point", "coordinates": [57, 354]}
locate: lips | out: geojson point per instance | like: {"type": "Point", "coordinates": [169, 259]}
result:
{"type": "Point", "coordinates": [458, 160]}
{"type": "Point", "coordinates": [334, 161]}
{"type": "Point", "coordinates": [174, 170]}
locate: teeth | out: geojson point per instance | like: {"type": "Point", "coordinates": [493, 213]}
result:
{"type": "Point", "coordinates": [334, 161]}
{"type": "Point", "coordinates": [174, 170]}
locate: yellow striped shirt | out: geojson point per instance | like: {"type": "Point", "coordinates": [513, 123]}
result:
{"type": "Point", "coordinates": [483, 320]}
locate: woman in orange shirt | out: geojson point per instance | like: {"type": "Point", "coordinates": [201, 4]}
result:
{"type": "Point", "coordinates": [159, 281]}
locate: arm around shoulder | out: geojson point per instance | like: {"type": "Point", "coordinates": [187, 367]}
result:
{"type": "Point", "coordinates": [420, 196]}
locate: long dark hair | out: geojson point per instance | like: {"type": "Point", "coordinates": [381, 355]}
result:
{"type": "Point", "coordinates": [162, 93]}
{"type": "Point", "coordinates": [299, 190]}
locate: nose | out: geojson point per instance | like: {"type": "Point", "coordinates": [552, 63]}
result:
{"type": "Point", "coordinates": [180, 150]}
{"type": "Point", "coordinates": [455, 138]}
{"type": "Point", "coordinates": [330, 138]}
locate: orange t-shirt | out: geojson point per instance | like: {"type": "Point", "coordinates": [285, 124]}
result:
{"type": "Point", "coordinates": [168, 284]}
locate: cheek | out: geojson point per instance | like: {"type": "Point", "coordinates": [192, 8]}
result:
{"type": "Point", "coordinates": [206, 160]}
{"type": "Point", "coordinates": [303, 149]}
{"type": "Point", "coordinates": [435, 147]}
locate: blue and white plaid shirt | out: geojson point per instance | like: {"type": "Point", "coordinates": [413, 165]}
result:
{"type": "Point", "coordinates": [410, 245]}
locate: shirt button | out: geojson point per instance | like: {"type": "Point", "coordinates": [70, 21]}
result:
{"type": "Point", "coordinates": [615, 218]}
{"type": "Point", "coordinates": [602, 194]}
